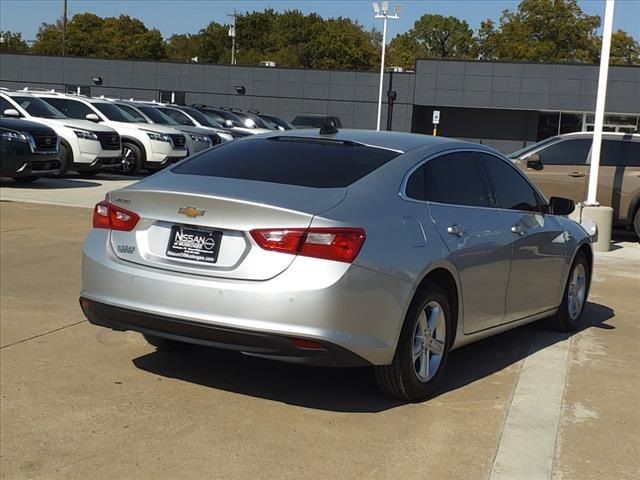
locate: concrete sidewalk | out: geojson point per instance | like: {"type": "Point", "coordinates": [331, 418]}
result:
{"type": "Point", "coordinates": [79, 402]}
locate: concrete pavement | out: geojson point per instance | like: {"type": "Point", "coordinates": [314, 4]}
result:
{"type": "Point", "coordinates": [78, 401]}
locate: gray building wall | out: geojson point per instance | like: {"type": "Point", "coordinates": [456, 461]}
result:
{"type": "Point", "coordinates": [524, 86]}
{"type": "Point", "coordinates": [493, 92]}
{"type": "Point", "coordinates": [352, 96]}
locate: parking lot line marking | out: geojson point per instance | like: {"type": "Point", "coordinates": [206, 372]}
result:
{"type": "Point", "coordinates": [528, 442]}
{"type": "Point", "coordinates": [42, 334]}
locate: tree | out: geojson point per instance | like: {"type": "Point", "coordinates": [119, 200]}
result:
{"type": "Point", "coordinates": [433, 36]}
{"type": "Point", "coordinates": [48, 39]}
{"type": "Point", "coordinates": [182, 47]}
{"type": "Point", "coordinates": [541, 31]}
{"type": "Point", "coordinates": [342, 44]}
{"type": "Point", "coordinates": [12, 42]}
{"type": "Point", "coordinates": [214, 44]}
{"type": "Point", "coordinates": [89, 35]}
{"type": "Point", "coordinates": [625, 50]}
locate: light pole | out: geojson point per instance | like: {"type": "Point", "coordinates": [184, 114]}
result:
{"type": "Point", "coordinates": [382, 11]}
{"type": "Point", "coordinates": [592, 211]}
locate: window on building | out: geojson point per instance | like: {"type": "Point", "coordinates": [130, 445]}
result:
{"type": "Point", "coordinates": [78, 89]}
{"type": "Point", "coordinates": [170, 96]}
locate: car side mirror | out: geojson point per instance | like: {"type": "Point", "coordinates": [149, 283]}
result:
{"type": "Point", "coordinates": [92, 117]}
{"type": "Point", "coordinates": [561, 206]}
{"type": "Point", "coordinates": [534, 162]}
{"type": "Point", "coordinates": [11, 112]}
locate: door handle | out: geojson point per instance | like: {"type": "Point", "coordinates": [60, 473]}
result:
{"type": "Point", "coordinates": [518, 230]}
{"type": "Point", "coordinates": [456, 230]}
{"type": "Point", "coordinates": [576, 174]}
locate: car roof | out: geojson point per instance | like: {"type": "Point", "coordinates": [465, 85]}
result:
{"type": "Point", "coordinates": [399, 141]}
{"type": "Point", "coordinates": [610, 135]}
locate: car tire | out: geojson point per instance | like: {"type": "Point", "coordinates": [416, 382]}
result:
{"type": "Point", "coordinates": [416, 370]}
{"type": "Point", "coordinates": [66, 161]}
{"type": "Point", "coordinates": [636, 222]}
{"type": "Point", "coordinates": [131, 159]}
{"type": "Point", "coordinates": [29, 179]}
{"type": "Point", "coordinates": [166, 344]}
{"type": "Point", "coordinates": [574, 300]}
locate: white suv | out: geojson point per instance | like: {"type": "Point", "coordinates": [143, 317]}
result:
{"type": "Point", "coordinates": [84, 146]}
{"type": "Point", "coordinates": [143, 145]}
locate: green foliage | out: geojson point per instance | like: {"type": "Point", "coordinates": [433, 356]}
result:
{"type": "Point", "coordinates": [89, 35]}
{"type": "Point", "coordinates": [541, 31]}
{"type": "Point", "coordinates": [12, 42]}
{"type": "Point", "coordinates": [432, 36]}
{"type": "Point", "coordinates": [341, 44]}
{"type": "Point", "coordinates": [624, 49]}
{"type": "Point", "coordinates": [49, 39]}
{"type": "Point", "coordinates": [214, 44]}
{"type": "Point", "coordinates": [182, 48]}
{"type": "Point", "coordinates": [537, 31]}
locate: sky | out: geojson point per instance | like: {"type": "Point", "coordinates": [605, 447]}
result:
{"type": "Point", "coordinates": [189, 16]}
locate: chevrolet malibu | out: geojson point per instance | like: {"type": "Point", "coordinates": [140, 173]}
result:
{"type": "Point", "coordinates": [352, 248]}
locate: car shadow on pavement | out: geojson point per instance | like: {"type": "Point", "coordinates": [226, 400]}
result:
{"type": "Point", "coordinates": [349, 389]}
{"type": "Point", "coordinates": [50, 184]}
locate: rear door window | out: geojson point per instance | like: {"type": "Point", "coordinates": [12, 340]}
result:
{"type": "Point", "coordinates": [416, 185]}
{"type": "Point", "coordinates": [566, 152]}
{"type": "Point", "coordinates": [292, 161]}
{"type": "Point", "coordinates": [457, 179]}
{"type": "Point", "coordinates": [620, 153]}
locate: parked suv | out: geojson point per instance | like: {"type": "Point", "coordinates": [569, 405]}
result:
{"type": "Point", "coordinates": [28, 150]}
{"type": "Point", "coordinates": [198, 139]}
{"type": "Point", "coordinates": [84, 146]}
{"type": "Point", "coordinates": [229, 120]}
{"type": "Point", "coordinates": [560, 166]}
{"type": "Point", "coordinates": [143, 146]}
{"type": "Point", "coordinates": [191, 117]}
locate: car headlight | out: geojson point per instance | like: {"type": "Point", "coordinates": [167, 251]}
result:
{"type": "Point", "coordinates": [200, 138]}
{"type": "Point", "coordinates": [159, 137]}
{"type": "Point", "coordinates": [14, 136]}
{"type": "Point", "coordinates": [249, 123]}
{"type": "Point", "coordinates": [85, 134]}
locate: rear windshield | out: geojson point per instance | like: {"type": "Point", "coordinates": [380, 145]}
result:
{"type": "Point", "coordinates": [291, 161]}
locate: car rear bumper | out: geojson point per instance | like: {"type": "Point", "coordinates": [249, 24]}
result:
{"type": "Point", "coordinates": [260, 344]}
{"type": "Point", "coordinates": [345, 306]}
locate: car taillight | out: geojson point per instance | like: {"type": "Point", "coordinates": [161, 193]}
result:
{"type": "Point", "coordinates": [339, 244]}
{"type": "Point", "coordinates": [112, 217]}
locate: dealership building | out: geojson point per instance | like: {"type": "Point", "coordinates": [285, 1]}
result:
{"type": "Point", "coordinates": [503, 104]}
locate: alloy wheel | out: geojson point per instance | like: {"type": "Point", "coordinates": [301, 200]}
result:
{"type": "Point", "coordinates": [428, 344]}
{"type": "Point", "coordinates": [129, 160]}
{"type": "Point", "coordinates": [577, 291]}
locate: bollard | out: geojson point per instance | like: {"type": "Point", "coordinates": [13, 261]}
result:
{"type": "Point", "coordinates": [603, 218]}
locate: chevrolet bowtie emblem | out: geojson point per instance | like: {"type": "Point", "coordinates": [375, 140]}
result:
{"type": "Point", "coordinates": [191, 212]}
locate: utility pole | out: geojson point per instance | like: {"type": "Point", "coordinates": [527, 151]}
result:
{"type": "Point", "coordinates": [232, 34]}
{"type": "Point", "coordinates": [64, 28]}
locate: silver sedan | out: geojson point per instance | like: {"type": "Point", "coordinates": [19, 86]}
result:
{"type": "Point", "coordinates": [354, 248]}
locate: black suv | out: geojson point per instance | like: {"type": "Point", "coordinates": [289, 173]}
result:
{"type": "Point", "coordinates": [28, 150]}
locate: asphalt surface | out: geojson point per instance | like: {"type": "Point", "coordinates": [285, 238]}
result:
{"type": "Point", "coordinates": [79, 402]}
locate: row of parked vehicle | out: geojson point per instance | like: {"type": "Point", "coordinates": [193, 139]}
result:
{"type": "Point", "coordinates": [94, 134]}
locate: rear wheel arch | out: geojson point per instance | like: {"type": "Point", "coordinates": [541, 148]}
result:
{"type": "Point", "coordinates": [444, 278]}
